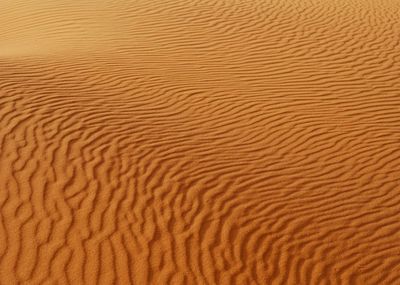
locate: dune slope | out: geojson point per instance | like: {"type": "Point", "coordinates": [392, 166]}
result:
{"type": "Point", "coordinates": [200, 142]}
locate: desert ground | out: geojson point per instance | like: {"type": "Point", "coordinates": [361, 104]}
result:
{"type": "Point", "coordinates": [200, 142]}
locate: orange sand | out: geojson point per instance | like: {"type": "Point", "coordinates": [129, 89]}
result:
{"type": "Point", "coordinates": [200, 142]}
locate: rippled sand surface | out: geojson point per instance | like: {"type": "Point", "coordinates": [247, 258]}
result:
{"type": "Point", "coordinates": [200, 142]}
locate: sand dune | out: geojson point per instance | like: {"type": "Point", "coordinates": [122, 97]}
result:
{"type": "Point", "coordinates": [200, 142]}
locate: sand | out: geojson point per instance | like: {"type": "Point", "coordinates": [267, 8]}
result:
{"type": "Point", "coordinates": [200, 142]}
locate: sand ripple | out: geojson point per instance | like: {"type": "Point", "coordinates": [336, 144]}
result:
{"type": "Point", "coordinates": [200, 142]}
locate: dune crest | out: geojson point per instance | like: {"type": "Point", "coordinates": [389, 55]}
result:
{"type": "Point", "coordinates": [199, 142]}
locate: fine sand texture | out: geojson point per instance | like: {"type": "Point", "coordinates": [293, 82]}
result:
{"type": "Point", "coordinates": [200, 142]}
